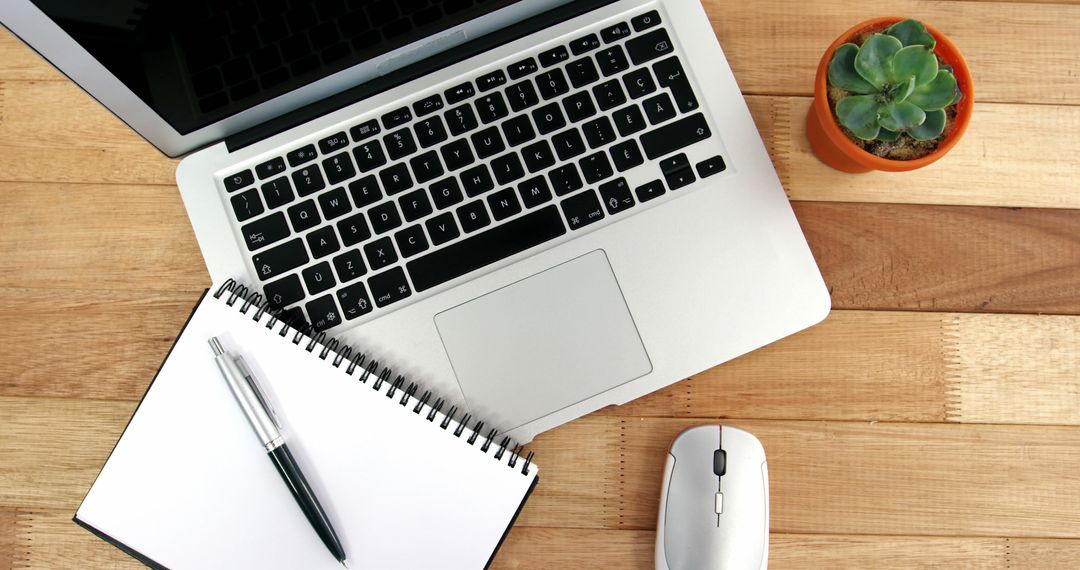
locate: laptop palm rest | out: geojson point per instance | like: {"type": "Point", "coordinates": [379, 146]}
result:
{"type": "Point", "coordinates": [545, 342]}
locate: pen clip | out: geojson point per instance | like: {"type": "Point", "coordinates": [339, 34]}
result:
{"type": "Point", "coordinates": [250, 379]}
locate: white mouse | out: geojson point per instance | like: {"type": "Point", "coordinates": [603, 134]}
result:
{"type": "Point", "coordinates": [714, 505]}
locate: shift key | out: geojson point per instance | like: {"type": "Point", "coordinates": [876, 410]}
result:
{"type": "Point", "coordinates": [674, 136]}
{"type": "Point", "coordinates": [278, 260]}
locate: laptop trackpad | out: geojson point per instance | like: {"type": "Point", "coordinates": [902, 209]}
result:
{"type": "Point", "coordinates": [545, 342]}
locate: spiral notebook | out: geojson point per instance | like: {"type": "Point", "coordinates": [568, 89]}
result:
{"type": "Point", "coordinates": [406, 481]}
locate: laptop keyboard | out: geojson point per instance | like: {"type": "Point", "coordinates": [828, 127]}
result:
{"type": "Point", "coordinates": [455, 181]}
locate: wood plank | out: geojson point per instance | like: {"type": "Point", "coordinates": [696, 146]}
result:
{"type": "Point", "coordinates": [946, 258]}
{"type": "Point", "coordinates": [987, 168]}
{"type": "Point", "coordinates": [11, 543]}
{"type": "Point", "coordinates": [1018, 52]}
{"type": "Point", "coordinates": [52, 540]}
{"type": "Point", "coordinates": [20, 62]}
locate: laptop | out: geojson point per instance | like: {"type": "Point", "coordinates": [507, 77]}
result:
{"type": "Point", "coordinates": [542, 207]}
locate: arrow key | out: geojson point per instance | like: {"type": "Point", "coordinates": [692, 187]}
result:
{"type": "Point", "coordinates": [616, 196]}
{"type": "Point", "coordinates": [354, 300]}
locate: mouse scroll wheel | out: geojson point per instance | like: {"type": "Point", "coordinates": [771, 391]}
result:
{"type": "Point", "coordinates": [719, 462]}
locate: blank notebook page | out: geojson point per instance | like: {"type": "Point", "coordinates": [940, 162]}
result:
{"type": "Point", "coordinates": [189, 485]}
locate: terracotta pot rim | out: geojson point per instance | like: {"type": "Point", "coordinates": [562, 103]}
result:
{"type": "Point", "coordinates": [945, 49]}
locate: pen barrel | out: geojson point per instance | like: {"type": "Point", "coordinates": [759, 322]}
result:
{"type": "Point", "coordinates": [254, 410]}
{"type": "Point", "coordinates": [305, 497]}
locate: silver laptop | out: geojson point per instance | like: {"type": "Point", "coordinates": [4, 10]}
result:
{"type": "Point", "coordinates": [537, 207]}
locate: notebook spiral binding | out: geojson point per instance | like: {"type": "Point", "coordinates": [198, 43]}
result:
{"type": "Point", "coordinates": [370, 368]}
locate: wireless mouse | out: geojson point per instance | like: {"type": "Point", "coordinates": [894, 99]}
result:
{"type": "Point", "coordinates": [714, 504]}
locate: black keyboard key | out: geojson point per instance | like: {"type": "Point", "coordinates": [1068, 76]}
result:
{"type": "Point", "coordinates": [650, 191]}
{"type": "Point", "coordinates": [538, 156]}
{"type": "Point", "coordinates": [491, 107]}
{"type": "Point", "coordinates": [272, 167]}
{"type": "Point", "coordinates": [396, 178]}
{"type": "Point", "coordinates": [430, 132]}
{"type": "Point", "coordinates": [486, 248]}
{"type": "Point", "coordinates": [384, 217]}
{"type": "Point", "coordinates": [349, 265]}
{"type": "Point", "coordinates": [568, 144]}
{"type": "Point", "coordinates": [380, 253]}
{"type": "Point", "coordinates": [549, 118]}
{"type": "Point", "coordinates": [595, 167]}
{"type": "Point", "coordinates": [565, 179]}
{"type": "Point", "coordinates": [645, 21]}
{"type": "Point", "coordinates": [522, 68]}
{"type": "Point", "coordinates": [322, 242]}
{"type": "Point", "coordinates": [626, 155]}
{"type": "Point", "coordinates": [442, 228]}
{"type": "Point", "coordinates": [477, 180]}
{"type": "Point", "coordinates": [609, 95]}
{"type": "Point", "coordinates": [554, 56]}
{"type": "Point", "coordinates": [579, 106]}
{"type": "Point", "coordinates": [302, 155]}
{"type": "Point", "coordinates": [507, 168]}
{"type": "Point", "coordinates": [488, 142]}
{"type": "Point", "coordinates": [599, 132]}
{"type": "Point", "coordinates": [334, 203]}
{"type": "Point", "coordinates": [518, 130]}
{"type": "Point", "coordinates": [365, 191]}
{"type": "Point", "coordinates": [461, 119]}
{"type": "Point", "coordinates": [308, 180]}
{"type": "Point", "coordinates": [279, 259]}
{"type": "Point", "coordinates": [365, 130]}
{"type": "Point", "coordinates": [489, 81]}
{"type": "Point", "coordinates": [239, 180]}
{"type": "Point", "coordinates": [353, 230]}
{"type": "Point", "coordinates": [582, 72]}
{"type": "Point", "coordinates": [426, 166]}
{"type": "Point", "coordinates": [415, 205]}
{"type": "Point", "coordinates": [265, 231]}
{"type": "Point", "coordinates": [670, 74]}
{"type": "Point", "coordinates": [445, 193]}
{"type": "Point", "coordinates": [457, 155]}
{"type": "Point", "coordinates": [659, 108]}
{"type": "Point", "coordinates": [354, 300]}
{"type": "Point", "coordinates": [334, 143]}
{"type": "Point", "coordinates": [649, 46]}
{"type": "Point", "coordinates": [677, 171]}
{"type": "Point", "coordinates": [284, 291]}
{"type": "Point", "coordinates": [672, 137]}
{"type": "Point", "coordinates": [277, 192]}
{"type": "Point", "coordinates": [396, 118]}
{"type": "Point", "coordinates": [552, 84]}
{"type": "Point", "coordinates": [304, 216]}
{"type": "Point", "coordinates": [411, 241]}
{"type": "Point", "coordinates": [534, 191]}
{"type": "Point", "coordinates": [369, 156]}
{"type": "Point", "coordinates": [428, 105]}
{"type": "Point", "coordinates": [615, 33]}
{"type": "Point", "coordinates": [582, 209]}
{"type": "Point", "coordinates": [339, 168]}
{"type": "Point", "coordinates": [639, 83]}
{"type": "Point", "coordinates": [399, 144]}
{"type": "Point", "coordinates": [629, 120]}
{"type": "Point", "coordinates": [616, 196]}
{"type": "Point", "coordinates": [247, 205]}
{"type": "Point", "coordinates": [323, 313]}
{"type": "Point", "coordinates": [612, 60]}
{"type": "Point", "coordinates": [473, 216]}
{"type": "Point", "coordinates": [504, 204]}
{"type": "Point", "coordinates": [389, 287]}
{"type": "Point", "coordinates": [459, 93]}
{"type": "Point", "coordinates": [584, 44]}
{"type": "Point", "coordinates": [708, 167]}
{"type": "Point", "coordinates": [522, 95]}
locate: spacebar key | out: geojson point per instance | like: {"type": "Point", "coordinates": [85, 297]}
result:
{"type": "Point", "coordinates": [674, 136]}
{"type": "Point", "coordinates": [486, 248]}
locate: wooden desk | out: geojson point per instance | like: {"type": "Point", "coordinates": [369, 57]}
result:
{"type": "Point", "coordinates": [932, 420]}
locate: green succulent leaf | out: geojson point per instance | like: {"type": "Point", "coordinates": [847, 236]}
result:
{"type": "Point", "coordinates": [900, 116]}
{"type": "Point", "coordinates": [887, 135]}
{"type": "Point", "coordinates": [842, 72]}
{"type": "Point", "coordinates": [912, 32]}
{"type": "Point", "coordinates": [913, 61]}
{"type": "Point", "coordinates": [931, 128]}
{"type": "Point", "coordinates": [936, 94]}
{"type": "Point", "coordinates": [859, 114]}
{"type": "Point", "coordinates": [902, 91]}
{"type": "Point", "coordinates": [872, 61]}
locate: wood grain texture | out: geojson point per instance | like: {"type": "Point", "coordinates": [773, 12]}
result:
{"type": "Point", "coordinates": [12, 550]}
{"type": "Point", "coordinates": [52, 540]}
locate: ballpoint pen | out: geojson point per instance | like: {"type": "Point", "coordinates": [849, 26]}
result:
{"type": "Point", "coordinates": [261, 416]}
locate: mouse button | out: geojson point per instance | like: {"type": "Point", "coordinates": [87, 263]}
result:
{"type": "Point", "coordinates": [719, 462]}
{"type": "Point", "coordinates": [690, 517]}
{"type": "Point", "coordinates": [696, 442]}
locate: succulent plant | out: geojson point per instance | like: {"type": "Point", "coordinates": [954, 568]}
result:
{"type": "Point", "coordinates": [897, 85]}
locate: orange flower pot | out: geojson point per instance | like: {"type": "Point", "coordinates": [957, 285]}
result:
{"type": "Point", "coordinates": [835, 149]}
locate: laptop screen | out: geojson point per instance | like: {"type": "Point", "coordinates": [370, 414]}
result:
{"type": "Point", "coordinates": [195, 63]}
